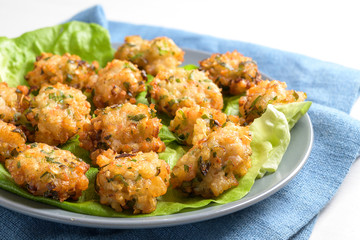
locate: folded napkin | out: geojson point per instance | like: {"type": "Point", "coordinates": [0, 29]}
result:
{"type": "Point", "coordinates": [289, 213]}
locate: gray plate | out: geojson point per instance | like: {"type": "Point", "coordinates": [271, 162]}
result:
{"type": "Point", "coordinates": [293, 160]}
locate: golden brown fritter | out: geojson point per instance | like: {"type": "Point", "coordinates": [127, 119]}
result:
{"type": "Point", "coordinates": [123, 128]}
{"type": "Point", "coordinates": [49, 172]}
{"type": "Point", "coordinates": [12, 141]}
{"type": "Point", "coordinates": [210, 167]}
{"type": "Point", "coordinates": [134, 50]}
{"type": "Point", "coordinates": [58, 112]}
{"type": "Point", "coordinates": [179, 88]}
{"type": "Point", "coordinates": [131, 180]}
{"type": "Point", "coordinates": [254, 104]}
{"type": "Point", "coordinates": [118, 82]}
{"type": "Point", "coordinates": [67, 69]}
{"type": "Point", "coordinates": [233, 119]}
{"type": "Point", "coordinates": [195, 123]}
{"type": "Point", "coordinates": [232, 71]}
{"type": "Point", "coordinates": [13, 101]}
{"type": "Point", "coordinates": [153, 56]}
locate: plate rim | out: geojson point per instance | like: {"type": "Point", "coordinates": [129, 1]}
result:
{"type": "Point", "coordinates": [206, 213]}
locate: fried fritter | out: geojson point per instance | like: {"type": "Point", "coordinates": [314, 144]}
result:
{"type": "Point", "coordinates": [232, 71]}
{"type": "Point", "coordinates": [12, 141]}
{"type": "Point", "coordinates": [131, 180]}
{"type": "Point", "coordinates": [210, 167]}
{"type": "Point", "coordinates": [58, 112]}
{"type": "Point", "coordinates": [123, 128]}
{"type": "Point", "coordinates": [153, 56]}
{"type": "Point", "coordinates": [254, 104]}
{"type": "Point", "coordinates": [13, 101]}
{"type": "Point", "coordinates": [118, 82]}
{"type": "Point", "coordinates": [195, 123]}
{"type": "Point", "coordinates": [49, 172]}
{"type": "Point", "coordinates": [179, 88]}
{"type": "Point", "coordinates": [67, 69]}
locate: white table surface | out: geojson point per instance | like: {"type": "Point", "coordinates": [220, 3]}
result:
{"type": "Point", "coordinates": [326, 30]}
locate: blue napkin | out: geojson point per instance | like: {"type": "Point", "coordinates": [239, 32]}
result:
{"type": "Point", "coordinates": [291, 212]}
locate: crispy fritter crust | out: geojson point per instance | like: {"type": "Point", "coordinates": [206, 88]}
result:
{"type": "Point", "coordinates": [254, 104]}
{"type": "Point", "coordinates": [13, 101]}
{"type": "Point", "coordinates": [153, 56]}
{"type": "Point", "coordinates": [58, 112]}
{"type": "Point", "coordinates": [123, 128]}
{"type": "Point", "coordinates": [209, 167]}
{"type": "Point", "coordinates": [232, 71]}
{"type": "Point", "coordinates": [12, 141]}
{"type": "Point", "coordinates": [67, 69]}
{"type": "Point", "coordinates": [194, 124]}
{"type": "Point", "coordinates": [179, 88]}
{"type": "Point", "coordinates": [118, 82]}
{"type": "Point", "coordinates": [49, 172]}
{"type": "Point", "coordinates": [131, 180]}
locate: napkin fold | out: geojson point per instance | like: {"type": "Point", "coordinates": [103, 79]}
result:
{"type": "Point", "coordinates": [289, 213]}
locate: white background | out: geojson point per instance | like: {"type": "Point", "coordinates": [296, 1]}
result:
{"type": "Point", "coordinates": [327, 30]}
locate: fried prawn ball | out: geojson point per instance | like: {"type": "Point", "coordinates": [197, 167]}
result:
{"type": "Point", "coordinates": [67, 69]}
{"type": "Point", "coordinates": [232, 71]}
{"type": "Point", "coordinates": [153, 56]}
{"type": "Point", "coordinates": [12, 141]}
{"type": "Point", "coordinates": [211, 166]}
{"type": "Point", "coordinates": [195, 123]}
{"type": "Point", "coordinates": [13, 101]}
{"type": "Point", "coordinates": [131, 180]}
{"type": "Point", "coordinates": [49, 172]}
{"type": "Point", "coordinates": [118, 82]}
{"type": "Point", "coordinates": [57, 113]}
{"type": "Point", "coordinates": [123, 128]}
{"type": "Point", "coordinates": [174, 89]}
{"type": "Point", "coordinates": [255, 102]}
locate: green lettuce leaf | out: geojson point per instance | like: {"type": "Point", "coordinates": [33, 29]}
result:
{"type": "Point", "coordinates": [293, 111]}
{"type": "Point", "coordinates": [231, 105]}
{"type": "Point", "coordinates": [141, 98]}
{"type": "Point", "coordinates": [271, 137]}
{"type": "Point", "coordinates": [190, 67]}
{"type": "Point", "coordinates": [166, 135]}
{"type": "Point", "coordinates": [89, 41]}
{"type": "Point", "coordinates": [73, 145]}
